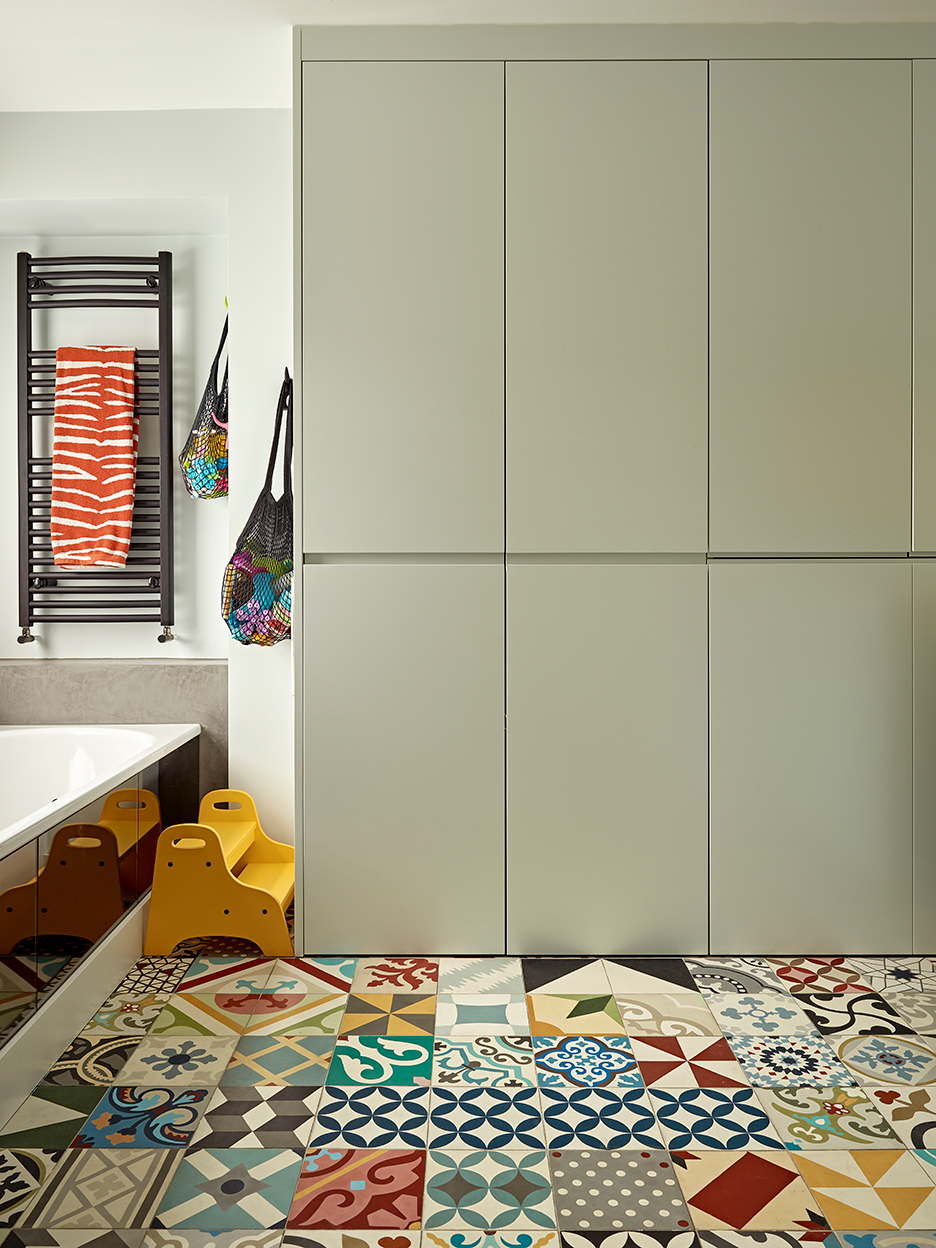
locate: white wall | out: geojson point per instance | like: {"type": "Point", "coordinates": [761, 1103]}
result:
{"type": "Point", "coordinates": [243, 156]}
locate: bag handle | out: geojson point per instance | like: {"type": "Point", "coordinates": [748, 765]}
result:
{"type": "Point", "coordinates": [222, 396]}
{"type": "Point", "coordinates": [283, 406]}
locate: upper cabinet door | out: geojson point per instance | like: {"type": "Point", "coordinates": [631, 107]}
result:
{"type": "Point", "coordinates": [810, 306]}
{"type": "Point", "coordinates": [403, 294]}
{"type": "Point", "coordinates": [924, 301]}
{"type": "Point", "coordinates": [606, 306]}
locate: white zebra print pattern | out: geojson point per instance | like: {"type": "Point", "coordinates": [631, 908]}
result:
{"type": "Point", "coordinates": [94, 453]}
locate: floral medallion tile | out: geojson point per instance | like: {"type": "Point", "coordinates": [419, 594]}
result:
{"type": "Point", "coordinates": [487, 1190]}
{"type": "Point", "coordinates": [687, 1062]}
{"type": "Point", "coordinates": [237, 975]}
{"type": "Point", "coordinates": [23, 1171]}
{"type": "Point", "coordinates": [155, 974]}
{"type": "Point", "coordinates": [818, 975]}
{"type": "Point", "coordinates": [349, 1239]}
{"type": "Point", "coordinates": [746, 1190]}
{"type": "Point", "coordinates": [667, 1014]}
{"type": "Point", "coordinates": [204, 1014]}
{"type": "Point", "coordinates": [602, 1118]}
{"type": "Point", "coordinates": [763, 1014]}
{"type": "Point", "coordinates": [884, 1189]}
{"type": "Point", "coordinates": [484, 1062]}
{"type": "Point", "coordinates": [103, 1188]}
{"type": "Point", "coordinates": [91, 1061]}
{"type": "Point", "coordinates": [359, 1189]}
{"type": "Point", "coordinates": [853, 1014]}
{"type": "Point", "coordinates": [789, 1062]}
{"type": "Point", "coordinates": [230, 1189]}
{"type": "Point", "coordinates": [715, 977]}
{"type": "Point", "coordinates": [643, 975]}
{"type": "Point", "coordinates": [296, 1014]}
{"type": "Point", "coordinates": [616, 1191]}
{"type": "Point", "coordinates": [127, 1013]}
{"type": "Point", "coordinates": [396, 975]}
{"type": "Point", "coordinates": [389, 1014]}
{"type": "Point", "coordinates": [372, 1118]}
{"type": "Point", "coordinates": [49, 1118]}
{"type": "Point", "coordinates": [258, 1117]}
{"type": "Point", "coordinates": [578, 1015]}
{"type": "Point", "coordinates": [910, 1111]}
{"type": "Point", "coordinates": [143, 1118]}
{"type": "Point", "coordinates": [916, 1006]}
{"type": "Point", "coordinates": [704, 1118]}
{"type": "Point", "coordinates": [460, 1014]}
{"type": "Point", "coordinates": [643, 1238]}
{"type": "Point", "coordinates": [474, 975]}
{"type": "Point", "coordinates": [311, 975]}
{"type": "Point", "coordinates": [907, 974]}
{"type": "Point", "coordinates": [808, 1118]}
{"type": "Point", "coordinates": [204, 1239]}
{"type": "Point", "coordinates": [400, 1061]}
{"type": "Point", "coordinates": [888, 1059]}
{"type": "Point", "coordinates": [485, 1118]}
{"type": "Point", "coordinates": [197, 1062]}
{"type": "Point", "coordinates": [586, 1062]}
{"type": "Point", "coordinates": [301, 1061]}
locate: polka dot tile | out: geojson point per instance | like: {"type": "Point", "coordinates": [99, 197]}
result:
{"type": "Point", "coordinates": [616, 1190]}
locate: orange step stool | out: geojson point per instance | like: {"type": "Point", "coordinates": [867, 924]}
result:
{"type": "Point", "coordinates": [222, 876]}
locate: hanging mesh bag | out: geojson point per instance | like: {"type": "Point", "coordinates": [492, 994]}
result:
{"type": "Point", "coordinates": [204, 458]}
{"type": "Point", "coordinates": [256, 599]}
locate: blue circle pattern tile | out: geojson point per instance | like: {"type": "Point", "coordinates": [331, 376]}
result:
{"type": "Point", "coordinates": [599, 1118]}
{"type": "Point", "coordinates": [485, 1118]}
{"type": "Point", "coordinates": [507, 1182]}
{"type": "Point", "coordinates": [709, 1118]}
{"type": "Point", "coordinates": [372, 1117]}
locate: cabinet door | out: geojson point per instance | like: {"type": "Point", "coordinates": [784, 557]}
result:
{"type": "Point", "coordinates": [607, 758]}
{"type": "Point", "coordinates": [924, 752]}
{"type": "Point", "coordinates": [811, 722]}
{"type": "Point", "coordinates": [404, 750]}
{"type": "Point", "coordinates": [606, 306]}
{"type": "Point", "coordinates": [403, 295]}
{"type": "Point", "coordinates": [810, 306]}
{"type": "Point", "coordinates": [924, 305]}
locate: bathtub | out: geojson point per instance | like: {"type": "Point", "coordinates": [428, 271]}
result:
{"type": "Point", "coordinates": [48, 773]}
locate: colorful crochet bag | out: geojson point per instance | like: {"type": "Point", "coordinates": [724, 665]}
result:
{"type": "Point", "coordinates": [256, 600]}
{"type": "Point", "coordinates": [204, 458]}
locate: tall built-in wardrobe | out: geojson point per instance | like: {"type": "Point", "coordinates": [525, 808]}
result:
{"type": "Point", "coordinates": [617, 618]}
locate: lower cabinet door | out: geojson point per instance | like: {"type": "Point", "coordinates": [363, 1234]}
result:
{"type": "Point", "coordinates": [811, 723]}
{"type": "Point", "coordinates": [404, 758]}
{"type": "Point", "coordinates": [607, 758]}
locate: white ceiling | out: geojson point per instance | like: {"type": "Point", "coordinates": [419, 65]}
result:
{"type": "Point", "coordinates": [79, 55]}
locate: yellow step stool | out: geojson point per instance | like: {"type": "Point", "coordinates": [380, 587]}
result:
{"type": "Point", "coordinates": [222, 876]}
{"type": "Point", "coordinates": [134, 817]}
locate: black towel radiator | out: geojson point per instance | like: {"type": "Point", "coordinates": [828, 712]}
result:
{"type": "Point", "coordinates": [141, 592]}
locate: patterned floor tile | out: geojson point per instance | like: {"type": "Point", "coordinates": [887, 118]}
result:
{"type": "Point", "coordinates": [895, 1060]}
{"type": "Point", "coordinates": [205, 1014]}
{"type": "Point", "coordinates": [462, 1014]}
{"type": "Point", "coordinates": [143, 1118]}
{"type": "Point", "coordinates": [296, 1014]}
{"type": "Point", "coordinates": [910, 1111]}
{"type": "Point", "coordinates": [882, 1189]}
{"type": "Point", "coordinates": [579, 976]}
{"type": "Point", "coordinates": [103, 1188]}
{"type": "Point", "coordinates": [819, 1238]}
{"type": "Point", "coordinates": [396, 975]}
{"type": "Point", "coordinates": [643, 975]}
{"type": "Point", "coordinates": [49, 1118]}
{"type": "Point", "coordinates": [210, 1239]}
{"type": "Point", "coordinates": [127, 1013]}
{"type": "Point", "coordinates": [843, 1118]}
{"type": "Point", "coordinates": [718, 976]}
{"type": "Point", "coordinates": [745, 1191]}
{"type": "Point", "coordinates": [400, 1061]}
{"type": "Point", "coordinates": [610, 1190]}
{"type": "Point", "coordinates": [359, 1189]}
{"type": "Point", "coordinates": [585, 1062]}
{"type": "Point", "coordinates": [818, 975]}
{"type": "Point", "coordinates": [706, 1118]}
{"type": "Point", "coordinates": [916, 1006]}
{"type": "Point", "coordinates": [491, 1239]}
{"type": "Point", "coordinates": [903, 973]}
{"type": "Point", "coordinates": [350, 1239]}
{"type": "Point", "coordinates": [13, 1005]}
{"type": "Point", "coordinates": [687, 1062]}
{"type": "Point", "coordinates": [155, 975]}
{"type": "Point", "coordinates": [602, 1118]}
{"type": "Point", "coordinates": [643, 1238]}
{"type": "Point", "coordinates": [853, 1014]}
{"type": "Point", "coordinates": [887, 1239]}
{"type": "Point", "coordinates": [23, 973]}
{"type": "Point", "coordinates": [193, 1062]}
{"type": "Point", "coordinates": [789, 1062]}
{"type": "Point", "coordinates": [372, 1118]}
{"type": "Point", "coordinates": [230, 1189]}
{"type": "Point", "coordinates": [258, 1117]}
{"type": "Point", "coordinates": [300, 1061]}
{"type": "Point", "coordinates": [389, 1014]}
{"type": "Point", "coordinates": [23, 1171]}
{"type": "Point", "coordinates": [761, 1014]}
{"type": "Point", "coordinates": [311, 975]}
{"type": "Point", "coordinates": [666, 1014]}
{"type": "Point", "coordinates": [484, 1062]}
{"type": "Point", "coordinates": [485, 1118]}
{"type": "Point", "coordinates": [569, 1014]}
{"type": "Point", "coordinates": [474, 975]}
{"type": "Point", "coordinates": [91, 1061]}
{"type": "Point", "coordinates": [487, 1190]}
{"type": "Point", "coordinates": [227, 974]}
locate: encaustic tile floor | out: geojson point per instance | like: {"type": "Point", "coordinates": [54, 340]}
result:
{"type": "Point", "coordinates": [401, 1102]}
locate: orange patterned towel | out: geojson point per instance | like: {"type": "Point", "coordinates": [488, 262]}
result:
{"type": "Point", "coordinates": [94, 453]}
